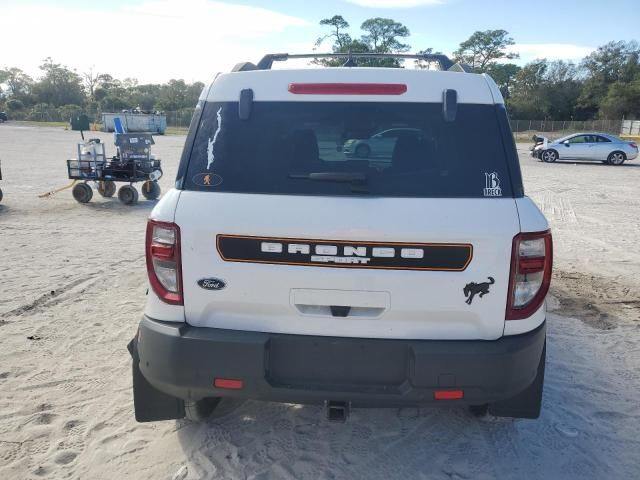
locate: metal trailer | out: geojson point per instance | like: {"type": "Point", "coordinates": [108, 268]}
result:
{"type": "Point", "coordinates": [132, 163]}
{"type": "Point", "coordinates": [136, 122]}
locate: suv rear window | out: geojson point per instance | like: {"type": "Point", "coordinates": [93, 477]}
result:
{"type": "Point", "coordinates": [349, 148]}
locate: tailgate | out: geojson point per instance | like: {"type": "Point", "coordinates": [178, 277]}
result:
{"type": "Point", "coordinates": [354, 267]}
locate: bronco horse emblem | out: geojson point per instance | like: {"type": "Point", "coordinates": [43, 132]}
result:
{"type": "Point", "coordinates": [472, 289]}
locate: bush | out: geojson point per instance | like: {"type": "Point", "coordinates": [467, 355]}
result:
{"type": "Point", "coordinates": [14, 105]}
{"type": "Point", "coordinates": [66, 112]}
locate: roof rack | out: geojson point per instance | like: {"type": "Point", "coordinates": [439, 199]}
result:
{"type": "Point", "coordinates": [266, 63]}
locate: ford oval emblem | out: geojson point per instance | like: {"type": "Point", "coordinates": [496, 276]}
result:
{"type": "Point", "coordinates": [212, 283]}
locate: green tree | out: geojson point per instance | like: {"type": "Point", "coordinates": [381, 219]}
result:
{"type": "Point", "coordinates": [19, 84]}
{"type": "Point", "coordinates": [525, 99]}
{"type": "Point", "coordinates": [91, 81]}
{"type": "Point", "coordinates": [622, 100]}
{"type": "Point", "coordinates": [483, 49]}
{"type": "Point", "coordinates": [544, 89]}
{"type": "Point", "coordinates": [338, 26]}
{"type": "Point", "coordinates": [59, 85]}
{"type": "Point", "coordinates": [504, 75]}
{"type": "Point", "coordinates": [560, 90]}
{"type": "Point", "coordinates": [382, 35]}
{"type": "Point", "coordinates": [615, 63]}
{"type": "Point", "coordinates": [14, 104]}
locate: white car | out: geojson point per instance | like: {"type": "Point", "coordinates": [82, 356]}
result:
{"type": "Point", "coordinates": [379, 145]}
{"type": "Point", "coordinates": [602, 147]}
{"type": "Point", "coordinates": [282, 270]}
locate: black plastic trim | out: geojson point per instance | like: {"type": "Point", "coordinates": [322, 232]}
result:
{"type": "Point", "coordinates": [510, 151]}
{"type": "Point", "coordinates": [183, 361]}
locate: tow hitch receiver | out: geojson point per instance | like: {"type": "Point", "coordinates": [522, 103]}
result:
{"type": "Point", "coordinates": [337, 411]}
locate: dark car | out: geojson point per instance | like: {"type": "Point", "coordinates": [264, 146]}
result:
{"type": "Point", "coordinates": [3, 117]}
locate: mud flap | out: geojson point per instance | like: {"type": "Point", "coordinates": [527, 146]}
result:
{"type": "Point", "coordinates": [149, 403]}
{"type": "Point", "coordinates": [528, 402]}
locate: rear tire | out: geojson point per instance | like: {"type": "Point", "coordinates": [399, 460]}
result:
{"type": "Point", "coordinates": [527, 403]}
{"type": "Point", "coordinates": [151, 190]}
{"type": "Point", "coordinates": [82, 193]}
{"type": "Point", "coordinates": [128, 194]}
{"type": "Point", "coordinates": [549, 156]}
{"type": "Point", "coordinates": [616, 158]}
{"type": "Point", "coordinates": [200, 410]}
{"type": "Point", "coordinates": [106, 188]}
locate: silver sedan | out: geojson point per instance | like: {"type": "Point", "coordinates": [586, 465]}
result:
{"type": "Point", "coordinates": [602, 147]}
{"type": "Point", "coordinates": [381, 144]}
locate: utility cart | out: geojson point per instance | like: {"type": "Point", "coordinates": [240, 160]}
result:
{"type": "Point", "coordinates": [132, 163]}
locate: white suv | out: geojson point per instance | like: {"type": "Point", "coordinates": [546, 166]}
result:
{"type": "Point", "coordinates": [282, 269]}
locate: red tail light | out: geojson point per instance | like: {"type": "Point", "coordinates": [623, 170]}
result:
{"type": "Point", "coordinates": [348, 88]}
{"type": "Point", "coordinates": [164, 266]}
{"type": "Point", "coordinates": [228, 383]}
{"type": "Point", "coordinates": [531, 263]}
{"type": "Point", "coordinates": [633, 145]}
{"type": "Point", "coordinates": [448, 394]}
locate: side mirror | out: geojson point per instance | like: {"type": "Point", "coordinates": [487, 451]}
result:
{"type": "Point", "coordinates": [449, 105]}
{"type": "Point", "coordinates": [566, 143]}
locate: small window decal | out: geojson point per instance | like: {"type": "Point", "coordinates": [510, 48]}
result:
{"type": "Point", "coordinates": [492, 185]}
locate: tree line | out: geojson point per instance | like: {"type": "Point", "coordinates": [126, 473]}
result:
{"type": "Point", "coordinates": [603, 85]}
{"type": "Point", "coordinates": [61, 92]}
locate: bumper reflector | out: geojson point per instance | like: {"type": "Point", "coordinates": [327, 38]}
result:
{"type": "Point", "coordinates": [448, 394]}
{"type": "Point", "coordinates": [228, 383]}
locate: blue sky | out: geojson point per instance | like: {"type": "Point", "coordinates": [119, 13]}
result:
{"type": "Point", "coordinates": [192, 39]}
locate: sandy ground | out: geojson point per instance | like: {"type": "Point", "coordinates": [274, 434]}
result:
{"type": "Point", "coordinates": [73, 278]}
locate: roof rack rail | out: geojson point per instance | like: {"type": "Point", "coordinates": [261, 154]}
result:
{"type": "Point", "coordinates": [443, 61]}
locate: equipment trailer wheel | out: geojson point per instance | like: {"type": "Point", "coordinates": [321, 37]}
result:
{"type": "Point", "coordinates": [150, 190]}
{"type": "Point", "coordinates": [128, 194]}
{"type": "Point", "coordinates": [106, 188]}
{"type": "Point", "coordinates": [82, 192]}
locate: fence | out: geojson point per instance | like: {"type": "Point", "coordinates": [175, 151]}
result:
{"type": "Point", "coordinates": [47, 113]}
{"type": "Point", "coordinates": [558, 128]}
{"type": "Point", "coordinates": [180, 118]}
{"type": "Point", "coordinates": [631, 127]}
{"type": "Point", "coordinates": [522, 129]}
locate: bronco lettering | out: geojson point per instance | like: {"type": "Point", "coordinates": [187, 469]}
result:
{"type": "Point", "coordinates": [338, 253]}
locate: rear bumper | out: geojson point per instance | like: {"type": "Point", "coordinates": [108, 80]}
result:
{"type": "Point", "coordinates": [183, 361]}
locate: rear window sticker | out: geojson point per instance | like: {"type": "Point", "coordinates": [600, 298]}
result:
{"type": "Point", "coordinates": [210, 156]}
{"type": "Point", "coordinates": [207, 179]}
{"type": "Point", "coordinates": [492, 185]}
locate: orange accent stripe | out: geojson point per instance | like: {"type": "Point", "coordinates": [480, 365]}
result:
{"type": "Point", "coordinates": [333, 265]}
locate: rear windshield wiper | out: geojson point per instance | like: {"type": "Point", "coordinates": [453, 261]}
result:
{"type": "Point", "coordinates": [355, 178]}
